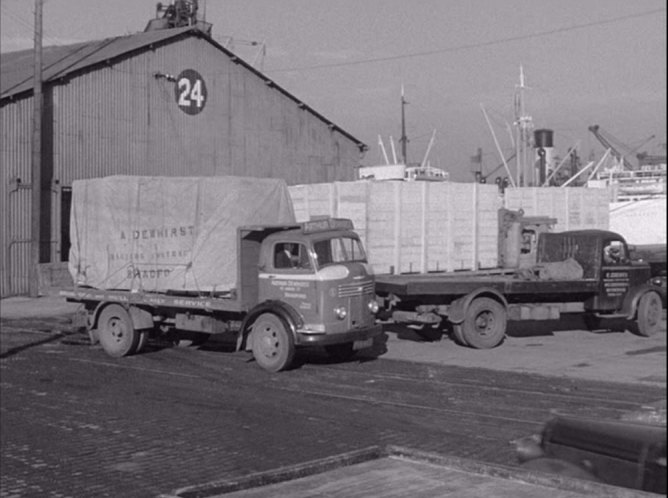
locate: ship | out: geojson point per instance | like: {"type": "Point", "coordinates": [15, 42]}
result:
{"type": "Point", "coordinates": [402, 169]}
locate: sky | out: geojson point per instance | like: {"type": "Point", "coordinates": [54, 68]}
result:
{"type": "Point", "coordinates": [585, 62]}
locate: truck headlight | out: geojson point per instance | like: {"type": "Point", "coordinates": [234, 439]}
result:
{"type": "Point", "coordinates": [340, 312]}
{"type": "Point", "coordinates": [373, 306]}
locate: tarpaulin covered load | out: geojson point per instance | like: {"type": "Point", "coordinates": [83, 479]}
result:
{"type": "Point", "coordinates": [167, 233]}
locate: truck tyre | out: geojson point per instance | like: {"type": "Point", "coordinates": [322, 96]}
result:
{"type": "Point", "coordinates": [484, 325]}
{"type": "Point", "coordinates": [340, 352]}
{"type": "Point", "coordinates": [141, 343]}
{"type": "Point", "coordinates": [649, 314]}
{"type": "Point", "coordinates": [116, 332]}
{"type": "Point", "coordinates": [273, 344]}
{"type": "Point", "coordinates": [458, 332]}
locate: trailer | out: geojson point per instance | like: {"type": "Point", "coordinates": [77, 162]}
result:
{"type": "Point", "coordinates": [584, 271]}
{"type": "Point", "coordinates": [171, 256]}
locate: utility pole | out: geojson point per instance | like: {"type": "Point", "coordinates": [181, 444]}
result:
{"type": "Point", "coordinates": [36, 157]}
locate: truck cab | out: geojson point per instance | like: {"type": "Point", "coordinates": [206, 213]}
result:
{"type": "Point", "coordinates": [604, 257]}
{"type": "Point", "coordinates": [624, 287]}
{"type": "Point", "coordinates": [308, 284]}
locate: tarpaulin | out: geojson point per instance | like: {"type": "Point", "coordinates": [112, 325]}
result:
{"type": "Point", "coordinates": [167, 233]}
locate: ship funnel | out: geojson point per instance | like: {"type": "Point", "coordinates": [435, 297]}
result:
{"type": "Point", "coordinates": [544, 162]}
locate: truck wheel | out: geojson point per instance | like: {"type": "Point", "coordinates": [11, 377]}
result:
{"type": "Point", "coordinates": [341, 352]}
{"type": "Point", "coordinates": [273, 344]}
{"type": "Point", "coordinates": [116, 332]}
{"type": "Point", "coordinates": [143, 339]}
{"type": "Point", "coordinates": [649, 314]}
{"type": "Point", "coordinates": [484, 326]}
{"type": "Point", "coordinates": [459, 334]}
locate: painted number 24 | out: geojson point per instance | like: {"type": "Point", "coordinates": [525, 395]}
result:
{"type": "Point", "coordinates": [190, 91]}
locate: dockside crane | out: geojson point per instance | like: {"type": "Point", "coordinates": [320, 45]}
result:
{"type": "Point", "coordinates": [610, 142]}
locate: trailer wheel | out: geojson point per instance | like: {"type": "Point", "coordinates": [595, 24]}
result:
{"type": "Point", "coordinates": [273, 344]}
{"type": "Point", "coordinates": [341, 352]}
{"type": "Point", "coordinates": [116, 332]}
{"type": "Point", "coordinates": [484, 326]}
{"type": "Point", "coordinates": [459, 334]}
{"type": "Point", "coordinates": [649, 314]}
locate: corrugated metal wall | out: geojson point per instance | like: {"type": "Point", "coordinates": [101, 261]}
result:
{"type": "Point", "coordinates": [15, 156]}
{"type": "Point", "coordinates": [121, 119]}
{"type": "Point", "coordinates": [124, 120]}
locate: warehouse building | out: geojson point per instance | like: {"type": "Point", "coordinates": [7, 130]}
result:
{"type": "Point", "coordinates": [169, 102]}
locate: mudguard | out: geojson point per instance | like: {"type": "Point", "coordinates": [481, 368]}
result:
{"type": "Point", "coordinates": [630, 304]}
{"type": "Point", "coordinates": [457, 309]}
{"type": "Point", "coordinates": [284, 311]}
{"type": "Point", "coordinates": [141, 319]}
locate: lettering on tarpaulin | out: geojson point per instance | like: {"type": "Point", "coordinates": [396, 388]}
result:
{"type": "Point", "coordinates": [153, 273]}
{"type": "Point", "coordinates": [159, 233]}
{"type": "Point", "coordinates": [159, 254]}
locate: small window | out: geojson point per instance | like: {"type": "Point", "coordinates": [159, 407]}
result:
{"type": "Point", "coordinates": [528, 241]}
{"type": "Point", "coordinates": [614, 253]}
{"type": "Point", "coordinates": [291, 255]}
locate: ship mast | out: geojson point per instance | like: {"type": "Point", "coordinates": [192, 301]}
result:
{"type": "Point", "coordinates": [404, 139]}
{"type": "Point", "coordinates": [524, 125]}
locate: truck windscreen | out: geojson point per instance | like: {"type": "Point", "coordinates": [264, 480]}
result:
{"type": "Point", "coordinates": [339, 250]}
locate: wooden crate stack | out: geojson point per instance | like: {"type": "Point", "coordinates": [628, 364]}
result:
{"type": "Point", "coordinates": [574, 208]}
{"type": "Point", "coordinates": [412, 227]}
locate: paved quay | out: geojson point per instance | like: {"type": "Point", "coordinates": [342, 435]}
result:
{"type": "Point", "coordinates": [76, 422]}
{"type": "Point", "coordinates": [18, 307]}
{"type": "Point", "coordinates": [562, 349]}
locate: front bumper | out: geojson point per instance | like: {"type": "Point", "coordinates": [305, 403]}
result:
{"type": "Point", "coordinates": [324, 339]}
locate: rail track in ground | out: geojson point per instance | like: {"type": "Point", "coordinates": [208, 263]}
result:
{"type": "Point", "coordinates": [173, 417]}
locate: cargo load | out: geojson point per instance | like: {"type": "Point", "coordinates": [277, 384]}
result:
{"type": "Point", "coordinates": [412, 227]}
{"type": "Point", "coordinates": [167, 233]}
{"type": "Point", "coordinates": [426, 227]}
{"type": "Point", "coordinates": [573, 208]}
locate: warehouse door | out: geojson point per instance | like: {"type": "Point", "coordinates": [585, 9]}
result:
{"type": "Point", "coordinates": [65, 207]}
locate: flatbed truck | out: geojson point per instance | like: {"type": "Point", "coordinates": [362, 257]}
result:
{"type": "Point", "coordinates": [584, 271]}
{"type": "Point", "coordinates": [298, 285]}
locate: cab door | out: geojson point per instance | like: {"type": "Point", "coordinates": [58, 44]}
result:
{"type": "Point", "coordinates": [289, 277]}
{"type": "Point", "coordinates": [616, 275]}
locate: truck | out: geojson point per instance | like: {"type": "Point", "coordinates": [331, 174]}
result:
{"type": "Point", "coordinates": [581, 271]}
{"type": "Point", "coordinates": [154, 256]}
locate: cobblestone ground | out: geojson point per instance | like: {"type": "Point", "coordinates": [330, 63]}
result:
{"type": "Point", "coordinates": [76, 423]}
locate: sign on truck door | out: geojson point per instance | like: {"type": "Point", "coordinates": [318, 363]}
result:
{"type": "Point", "coordinates": [616, 274]}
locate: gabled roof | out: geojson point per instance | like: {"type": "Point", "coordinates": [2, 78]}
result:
{"type": "Point", "coordinates": [67, 61]}
{"type": "Point", "coordinates": [16, 68]}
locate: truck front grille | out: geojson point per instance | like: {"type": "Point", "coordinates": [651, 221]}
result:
{"type": "Point", "coordinates": [356, 289]}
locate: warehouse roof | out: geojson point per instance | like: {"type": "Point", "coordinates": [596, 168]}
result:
{"type": "Point", "coordinates": [68, 61]}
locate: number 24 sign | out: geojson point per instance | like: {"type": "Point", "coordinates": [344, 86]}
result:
{"type": "Point", "coordinates": [191, 93]}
